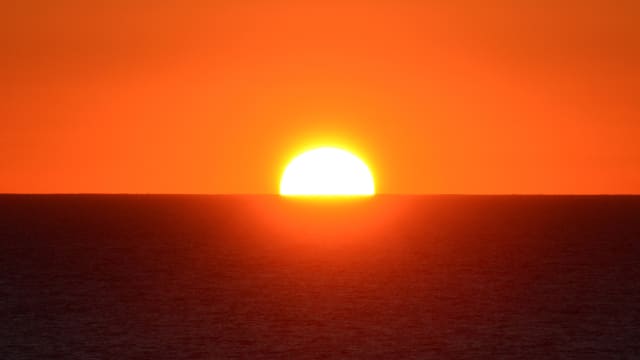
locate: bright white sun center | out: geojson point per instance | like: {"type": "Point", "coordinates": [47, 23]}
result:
{"type": "Point", "coordinates": [327, 171]}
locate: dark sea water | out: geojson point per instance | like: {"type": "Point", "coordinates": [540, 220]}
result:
{"type": "Point", "coordinates": [260, 277]}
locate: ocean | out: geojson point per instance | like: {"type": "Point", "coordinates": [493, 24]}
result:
{"type": "Point", "coordinates": [264, 277]}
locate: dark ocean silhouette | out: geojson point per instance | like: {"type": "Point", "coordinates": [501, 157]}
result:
{"type": "Point", "coordinates": [261, 277]}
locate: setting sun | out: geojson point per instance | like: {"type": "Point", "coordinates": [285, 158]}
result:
{"type": "Point", "coordinates": [327, 171]}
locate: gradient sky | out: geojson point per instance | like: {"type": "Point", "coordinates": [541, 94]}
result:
{"type": "Point", "coordinates": [215, 97]}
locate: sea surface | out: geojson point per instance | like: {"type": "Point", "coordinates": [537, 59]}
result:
{"type": "Point", "coordinates": [264, 277]}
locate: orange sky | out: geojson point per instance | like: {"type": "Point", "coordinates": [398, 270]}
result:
{"type": "Point", "coordinates": [194, 97]}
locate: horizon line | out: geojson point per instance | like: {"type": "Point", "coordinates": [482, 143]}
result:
{"type": "Point", "coordinates": [276, 194]}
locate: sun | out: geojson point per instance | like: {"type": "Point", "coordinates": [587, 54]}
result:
{"type": "Point", "coordinates": [327, 171]}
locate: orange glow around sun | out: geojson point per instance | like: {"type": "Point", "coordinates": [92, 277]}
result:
{"type": "Point", "coordinates": [204, 97]}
